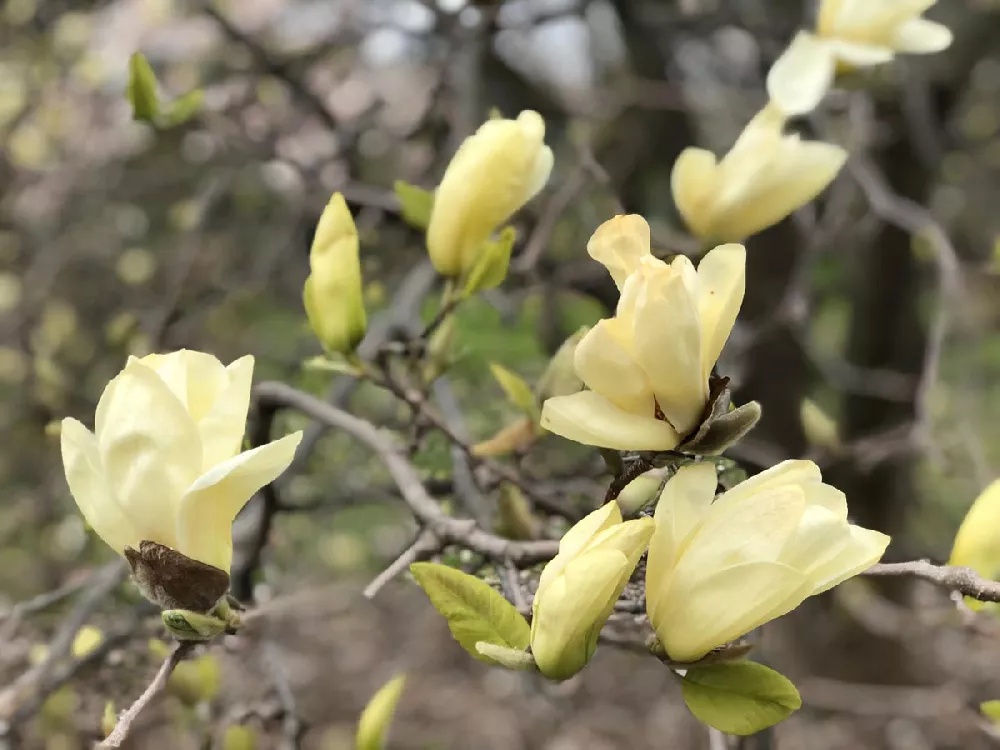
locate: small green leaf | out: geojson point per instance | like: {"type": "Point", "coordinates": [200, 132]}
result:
{"type": "Point", "coordinates": [739, 697]}
{"type": "Point", "coordinates": [142, 89]}
{"type": "Point", "coordinates": [474, 611]}
{"type": "Point", "coordinates": [373, 726]}
{"type": "Point", "coordinates": [518, 391]}
{"type": "Point", "coordinates": [332, 362]}
{"type": "Point", "coordinates": [490, 268]}
{"type": "Point", "coordinates": [416, 204]}
{"type": "Point", "coordinates": [183, 108]}
{"type": "Point", "coordinates": [819, 427]}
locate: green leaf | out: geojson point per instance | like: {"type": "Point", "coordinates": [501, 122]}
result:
{"type": "Point", "coordinates": [332, 362]}
{"type": "Point", "coordinates": [516, 389]}
{"type": "Point", "coordinates": [183, 108]}
{"type": "Point", "coordinates": [142, 89]}
{"type": "Point", "coordinates": [373, 726]}
{"type": "Point", "coordinates": [511, 658]}
{"type": "Point", "coordinates": [490, 268]}
{"type": "Point", "coordinates": [416, 204]}
{"type": "Point", "coordinates": [474, 611]}
{"type": "Point", "coordinates": [739, 697]}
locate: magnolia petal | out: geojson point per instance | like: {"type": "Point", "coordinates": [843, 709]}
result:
{"type": "Point", "coordinates": [683, 504]}
{"type": "Point", "coordinates": [825, 496]}
{"type": "Point", "coordinates": [724, 605]}
{"type": "Point", "coordinates": [569, 614]}
{"type": "Point", "coordinates": [196, 378]}
{"type": "Point", "coordinates": [792, 472]}
{"type": "Point", "coordinates": [802, 75]}
{"type": "Point", "coordinates": [858, 54]}
{"type": "Point", "coordinates": [577, 539]}
{"type": "Point", "coordinates": [819, 538]}
{"type": "Point", "coordinates": [619, 243]}
{"type": "Point", "coordinates": [206, 512]}
{"type": "Point", "coordinates": [150, 450]}
{"type": "Point", "coordinates": [666, 339]}
{"type": "Point", "coordinates": [630, 538]}
{"type": "Point", "coordinates": [721, 285]}
{"type": "Point", "coordinates": [87, 485]}
{"type": "Point", "coordinates": [751, 531]}
{"type": "Point", "coordinates": [223, 427]}
{"type": "Point", "coordinates": [920, 36]}
{"type": "Point", "coordinates": [589, 418]}
{"type": "Point", "coordinates": [975, 543]}
{"type": "Point", "coordinates": [605, 365]}
{"type": "Point", "coordinates": [796, 175]}
{"type": "Point", "coordinates": [865, 547]}
{"type": "Point", "coordinates": [693, 182]}
{"type": "Point", "coordinates": [540, 173]}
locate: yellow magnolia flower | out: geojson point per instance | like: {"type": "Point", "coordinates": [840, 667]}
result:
{"type": "Point", "coordinates": [647, 368]}
{"type": "Point", "coordinates": [977, 543]}
{"type": "Point", "coordinates": [717, 570]}
{"type": "Point", "coordinates": [496, 170]}
{"type": "Point", "coordinates": [579, 587]}
{"type": "Point", "coordinates": [164, 461]}
{"type": "Point", "coordinates": [333, 295]}
{"type": "Point", "coordinates": [765, 176]}
{"type": "Point", "coordinates": [850, 34]}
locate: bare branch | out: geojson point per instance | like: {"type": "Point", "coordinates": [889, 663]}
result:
{"type": "Point", "coordinates": [128, 717]}
{"type": "Point", "coordinates": [448, 529]}
{"type": "Point", "coordinates": [425, 545]}
{"type": "Point", "coordinates": [964, 580]}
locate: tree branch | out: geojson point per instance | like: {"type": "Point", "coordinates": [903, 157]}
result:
{"type": "Point", "coordinates": [125, 721]}
{"type": "Point", "coordinates": [963, 580]}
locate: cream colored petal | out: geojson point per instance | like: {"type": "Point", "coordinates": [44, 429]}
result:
{"type": "Point", "coordinates": [196, 378]}
{"type": "Point", "coordinates": [589, 418]}
{"type": "Point", "coordinates": [223, 427]}
{"type": "Point", "coordinates": [540, 173]}
{"type": "Point", "coordinates": [666, 340]}
{"type": "Point", "coordinates": [88, 487]}
{"type": "Point", "coordinates": [827, 497]}
{"type": "Point", "coordinates": [206, 511]}
{"type": "Point", "coordinates": [752, 531]}
{"type": "Point", "coordinates": [976, 544]}
{"type": "Point", "coordinates": [801, 76]}
{"type": "Point", "coordinates": [721, 285]}
{"type": "Point", "coordinates": [694, 181]}
{"type": "Point", "coordinates": [629, 537]}
{"type": "Point", "coordinates": [605, 365]}
{"type": "Point", "coordinates": [150, 450]}
{"type": "Point", "coordinates": [619, 243]}
{"type": "Point", "coordinates": [569, 615]}
{"type": "Point", "coordinates": [864, 548]}
{"type": "Point", "coordinates": [682, 506]}
{"type": "Point", "coordinates": [860, 54]}
{"type": "Point", "coordinates": [793, 472]}
{"type": "Point", "coordinates": [920, 36]}
{"type": "Point", "coordinates": [578, 538]}
{"type": "Point", "coordinates": [826, 20]}
{"type": "Point", "coordinates": [800, 172]}
{"type": "Point", "coordinates": [819, 538]}
{"type": "Point", "coordinates": [724, 605]}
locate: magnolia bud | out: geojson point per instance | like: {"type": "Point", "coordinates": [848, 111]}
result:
{"type": "Point", "coordinates": [333, 295]}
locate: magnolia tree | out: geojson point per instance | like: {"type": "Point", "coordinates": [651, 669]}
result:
{"type": "Point", "coordinates": [696, 560]}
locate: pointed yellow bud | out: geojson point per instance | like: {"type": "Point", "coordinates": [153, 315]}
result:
{"type": "Point", "coordinates": [164, 464]}
{"type": "Point", "coordinates": [333, 296]}
{"type": "Point", "coordinates": [496, 170]}
{"type": "Point", "coordinates": [578, 588]}
{"type": "Point", "coordinates": [977, 543]}
{"type": "Point", "coordinates": [717, 570]}
{"type": "Point", "coordinates": [648, 367]}
{"type": "Point", "coordinates": [765, 177]}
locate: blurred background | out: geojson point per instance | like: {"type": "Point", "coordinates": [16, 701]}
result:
{"type": "Point", "coordinates": [878, 304]}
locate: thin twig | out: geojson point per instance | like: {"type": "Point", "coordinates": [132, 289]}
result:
{"type": "Point", "coordinates": [964, 580]}
{"type": "Point", "coordinates": [425, 545]}
{"type": "Point", "coordinates": [291, 725]}
{"type": "Point", "coordinates": [128, 717]}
